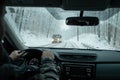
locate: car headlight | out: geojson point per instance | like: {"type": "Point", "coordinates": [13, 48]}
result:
{"type": "Point", "coordinates": [58, 39]}
{"type": "Point", "coordinates": [52, 40]}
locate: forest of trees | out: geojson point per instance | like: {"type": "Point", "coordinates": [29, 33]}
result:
{"type": "Point", "coordinates": [40, 21]}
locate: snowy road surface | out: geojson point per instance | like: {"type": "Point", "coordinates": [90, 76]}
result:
{"type": "Point", "coordinates": [67, 44]}
{"type": "Point", "coordinates": [87, 41]}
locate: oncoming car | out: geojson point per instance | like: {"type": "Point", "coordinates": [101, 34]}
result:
{"type": "Point", "coordinates": [56, 38]}
{"type": "Point", "coordinates": [85, 52]}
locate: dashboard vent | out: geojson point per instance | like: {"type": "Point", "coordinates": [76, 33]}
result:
{"type": "Point", "coordinates": [76, 57]}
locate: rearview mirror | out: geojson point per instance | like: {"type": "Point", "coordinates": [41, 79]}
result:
{"type": "Point", "coordinates": [82, 21]}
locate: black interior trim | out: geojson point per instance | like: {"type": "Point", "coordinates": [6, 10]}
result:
{"type": "Point", "coordinates": [67, 4]}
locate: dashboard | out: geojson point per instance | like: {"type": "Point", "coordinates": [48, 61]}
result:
{"type": "Point", "coordinates": [77, 64]}
{"type": "Point", "coordinates": [87, 64]}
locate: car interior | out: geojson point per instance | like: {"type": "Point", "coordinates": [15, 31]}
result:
{"type": "Point", "coordinates": [89, 29]}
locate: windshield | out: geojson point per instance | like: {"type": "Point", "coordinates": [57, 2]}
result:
{"type": "Point", "coordinates": [45, 27]}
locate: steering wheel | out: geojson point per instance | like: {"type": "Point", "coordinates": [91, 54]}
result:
{"type": "Point", "coordinates": [31, 62]}
{"type": "Point", "coordinates": [32, 57]}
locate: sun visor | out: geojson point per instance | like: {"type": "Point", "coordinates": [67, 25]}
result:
{"type": "Point", "coordinates": [65, 4]}
{"type": "Point", "coordinates": [85, 4]}
{"type": "Point", "coordinates": [34, 3]}
{"type": "Point", "coordinates": [115, 4]}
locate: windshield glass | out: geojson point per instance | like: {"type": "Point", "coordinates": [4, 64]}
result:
{"type": "Point", "coordinates": [45, 27]}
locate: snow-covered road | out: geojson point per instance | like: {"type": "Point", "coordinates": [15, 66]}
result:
{"type": "Point", "coordinates": [69, 44]}
{"type": "Point", "coordinates": [87, 41]}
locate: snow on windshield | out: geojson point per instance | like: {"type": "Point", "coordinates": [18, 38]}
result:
{"type": "Point", "coordinates": [36, 27]}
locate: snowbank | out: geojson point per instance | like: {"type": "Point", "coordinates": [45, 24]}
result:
{"type": "Point", "coordinates": [92, 41]}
